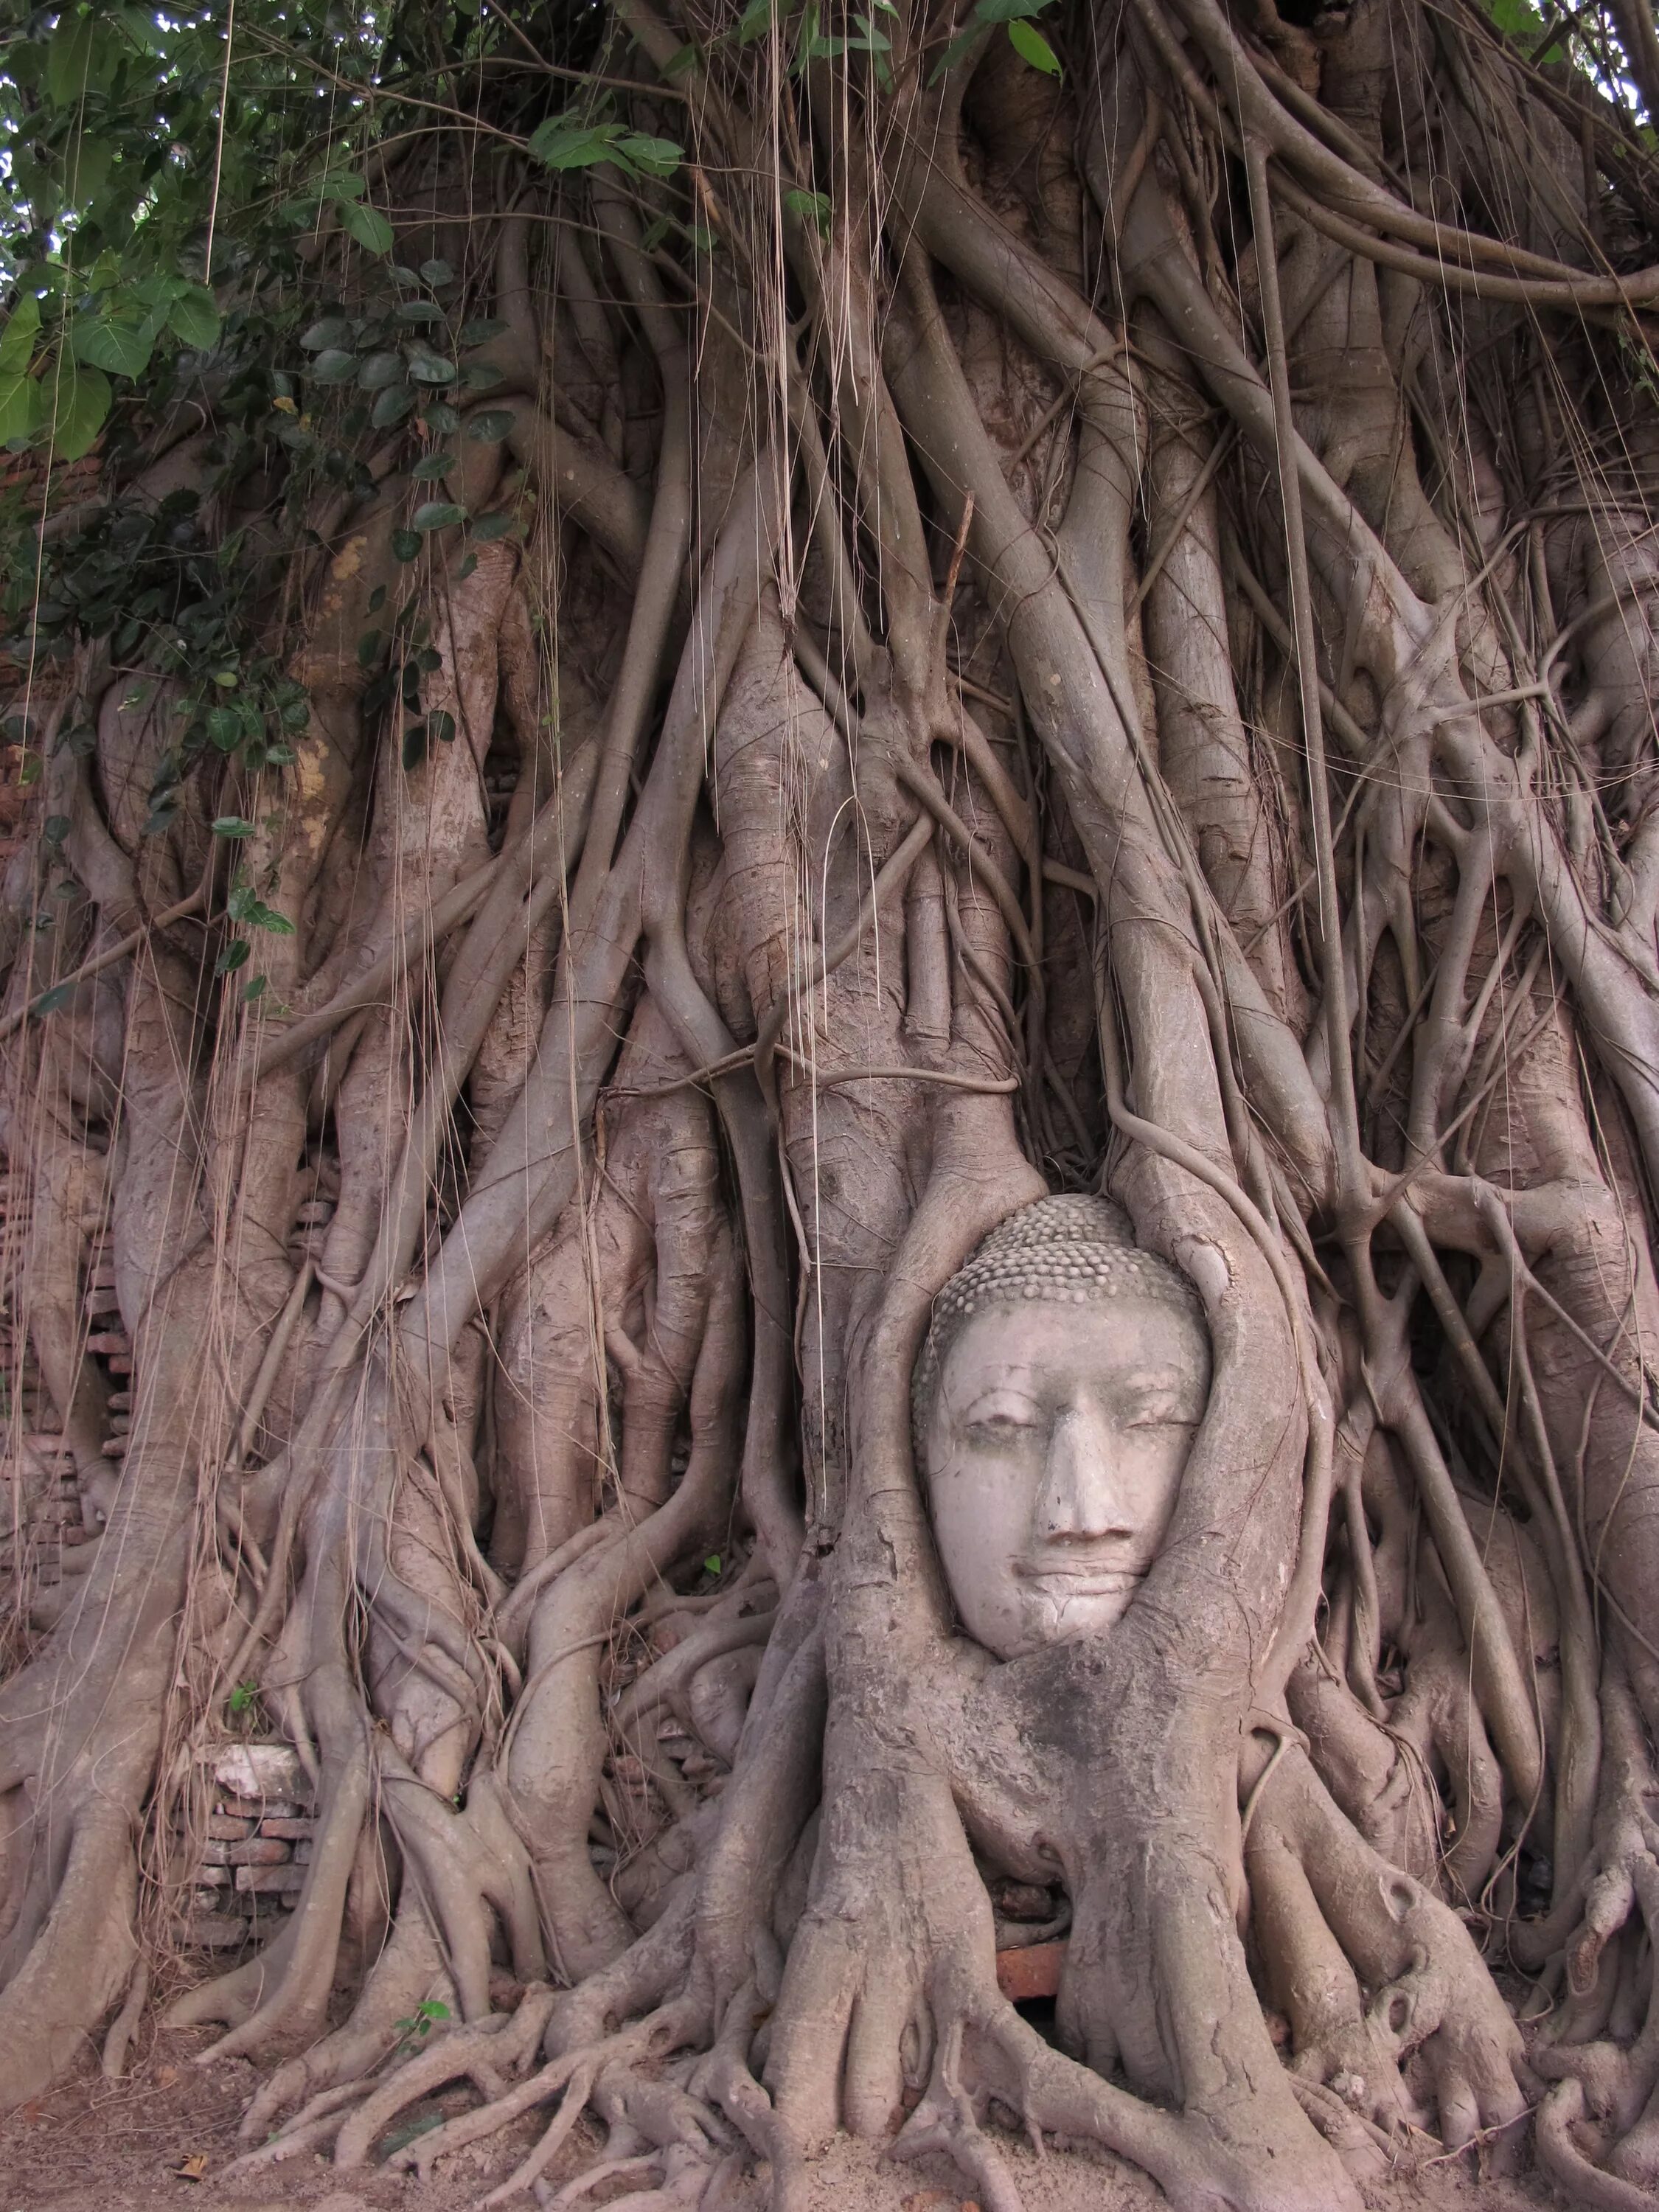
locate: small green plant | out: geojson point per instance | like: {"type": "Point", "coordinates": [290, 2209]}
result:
{"type": "Point", "coordinates": [413, 2031]}
{"type": "Point", "coordinates": [711, 1565]}
{"type": "Point", "coordinates": [242, 1700]}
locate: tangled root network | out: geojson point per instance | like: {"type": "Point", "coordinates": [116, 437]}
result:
{"type": "Point", "coordinates": [951, 604]}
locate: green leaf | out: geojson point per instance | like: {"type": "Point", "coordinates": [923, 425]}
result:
{"type": "Point", "coordinates": [256, 989]}
{"type": "Point", "coordinates": [242, 906]}
{"type": "Point", "coordinates": [1007, 11]}
{"type": "Point", "coordinates": [437, 514]}
{"type": "Point", "coordinates": [432, 468]}
{"type": "Point", "coordinates": [959, 48]}
{"type": "Point", "coordinates": [334, 365]}
{"type": "Point", "coordinates": [405, 544]}
{"type": "Point", "coordinates": [17, 339]}
{"type": "Point", "coordinates": [490, 427]}
{"type": "Point", "coordinates": [429, 367]}
{"type": "Point", "coordinates": [482, 328]}
{"type": "Point", "coordinates": [87, 166]}
{"type": "Point", "coordinates": [440, 418]}
{"type": "Point", "coordinates": [80, 402]}
{"type": "Point", "coordinates": [482, 376]}
{"type": "Point", "coordinates": [437, 274]}
{"type": "Point", "coordinates": [488, 527]}
{"type": "Point", "coordinates": [368, 226]}
{"type": "Point", "coordinates": [120, 343]}
{"type": "Point", "coordinates": [420, 311]}
{"type": "Point", "coordinates": [432, 2008]}
{"type": "Point", "coordinates": [69, 59]}
{"type": "Point", "coordinates": [224, 728]}
{"type": "Point", "coordinates": [414, 746]}
{"type": "Point", "coordinates": [21, 408]}
{"type": "Point", "coordinates": [193, 319]}
{"type": "Point", "coordinates": [653, 157]}
{"type": "Point", "coordinates": [391, 407]}
{"type": "Point", "coordinates": [234, 956]}
{"type": "Point", "coordinates": [711, 1565]}
{"type": "Point", "coordinates": [332, 331]}
{"type": "Point", "coordinates": [565, 141]}
{"type": "Point", "coordinates": [368, 645]}
{"type": "Point", "coordinates": [683, 59]}
{"type": "Point", "coordinates": [381, 371]}
{"type": "Point", "coordinates": [341, 185]}
{"type": "Point", "coordinates": [1515, 19]}
{"type": "Point", "coordinates": [756, 20]}
{"type": "Point", "coordinates": [441, 725]}
{"type": "Point", "coordinates": [1031, 46]}
{"type": "Point", "coordinates": [50, 1002]}
{"type": "Point", "coordinates": [233, 825]}
{"type": "Point", "coordinates": [810, 207]}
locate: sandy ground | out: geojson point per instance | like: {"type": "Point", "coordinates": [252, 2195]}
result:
{"type": "Point", "coordinates": [92, 2147]}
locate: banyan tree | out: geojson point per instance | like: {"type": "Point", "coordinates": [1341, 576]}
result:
{"type": "Point", "coordinates": [838, 915]}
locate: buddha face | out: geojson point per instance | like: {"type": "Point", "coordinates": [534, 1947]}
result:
{"type": "Point", "coordinates": [1054, 1447]}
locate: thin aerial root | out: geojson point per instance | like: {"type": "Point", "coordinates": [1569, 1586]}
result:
{"type": "Point", "coordinates": [309, 2135]}
{"type": "Point", "coordinates": [580, 2079]}
{"type": "Point", "coordinates": [1363, 2148]}
{"type": "Point", "coordinates": [323, 2113]}
{"type": "Point", "coordinates": [1566, 2164]}
{"type": "Point", "coordinates": [125, 2025]}
{"type": "Point", "coordinates": [502, 2038]}
{"type": "Point", "coordinates": [946, 2121]}
{"type": "Point", "coordinates": [610, 2169]}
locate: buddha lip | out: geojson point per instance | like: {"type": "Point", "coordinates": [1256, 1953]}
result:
{"type": "Point", "coordinates": [1086, 1578]}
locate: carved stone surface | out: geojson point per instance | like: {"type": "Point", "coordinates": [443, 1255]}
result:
{"type": "Point", "coordinates": [1054, 1404]}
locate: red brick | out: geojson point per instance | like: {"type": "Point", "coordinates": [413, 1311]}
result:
{"type": "Point", "coordinates": [270, 1880]}
{"type": "Point", "coordinates": [258, 1808]}
{"type": "Point", "coordinates": [1032, 1973]}
{"type": "Point", "coordinates": [225, 1829]}
{"type": "Point", "coordinates": [291, 1830]}
{"type": "Point", "coordinates": [251, 1851]}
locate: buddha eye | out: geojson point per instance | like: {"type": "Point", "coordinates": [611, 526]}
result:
{"type": "Point", "coordinates": [1161, 1416]}
{"type": "Point", "coordinates": [1000, 1425]}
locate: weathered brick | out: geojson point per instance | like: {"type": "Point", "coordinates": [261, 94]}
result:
{"type": "Point", "coordinates": [259, 1850]}
{"type": "Point", "coordinates": [261, 1769]}
{"type": "Point", "coordinates": [286, 1826]}
{"type": "Point", "coordinates": [258, 1809]}
{"type": "Point", "coordinates": [1032, 1973]}
{"type": "Point", "coordinates": [223, 1829]}
{"type": "Point", "coordinates": [216, 1931]}
{"type": "Point", "coordinates": [270, 1880]}
{"type": "Point", "coordinates": [250, 1851]}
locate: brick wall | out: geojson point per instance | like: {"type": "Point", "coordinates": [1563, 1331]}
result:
{"type": "Point", "coordinates": [258, 1846]}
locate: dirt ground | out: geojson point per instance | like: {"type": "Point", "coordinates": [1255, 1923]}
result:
{"type": "Point", "coordinates": [95, 2146]}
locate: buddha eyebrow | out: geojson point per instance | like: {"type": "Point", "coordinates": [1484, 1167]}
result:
{"type": "Point", "coordinates": [988, 1392]}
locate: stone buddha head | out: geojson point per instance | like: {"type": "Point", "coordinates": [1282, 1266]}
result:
{"type": "Point", "coordinates": [1055, 1401]}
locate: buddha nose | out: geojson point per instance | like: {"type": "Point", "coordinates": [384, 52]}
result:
{"type": "Point", "coordinates": [1081, 1499]}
